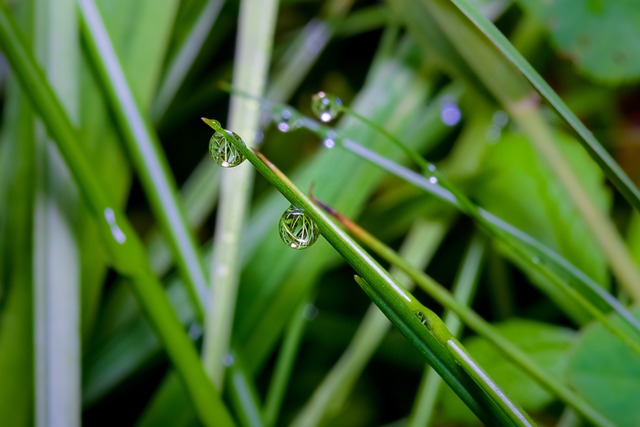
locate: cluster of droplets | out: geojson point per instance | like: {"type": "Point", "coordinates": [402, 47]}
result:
{"type": "Point", "coordinates": [296, 229]}
{"type": "Point", "coordinates": [325, 106]}
{"type": "Point", "coordinates": [221, 149]}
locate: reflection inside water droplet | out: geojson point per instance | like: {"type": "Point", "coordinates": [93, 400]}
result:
{"type": "Point", "coordinates": [326, 107]}
{"type": "Point", "coordinates": [296, 229]}
{"type": "Point", "coordinates": [330, 140]}
{"type": "Point", "coordinates": [223, 152]}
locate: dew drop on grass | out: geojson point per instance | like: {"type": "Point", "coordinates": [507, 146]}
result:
{"type": "Point", "coordinates": [450, 113]}
{"type": "Point", "coordinates": [433, 180]}
{"type": "Point", "coordinates": [287, 120]}
{"type": "Point", "coordinates": [326, 107]}
{"type": "Point", "coordinates": [330, 140]}
{"type": "Point", "coordinates": [296, 229]}
{"type": "Point", "coordinates": [223, 152]}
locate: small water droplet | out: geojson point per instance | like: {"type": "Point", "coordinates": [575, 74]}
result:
{"type": "Point", "coordinates": [431, 167]}
{"type": "Point", "coordinates": [228, 359]}
{"type": "Point", "coordinates": [116, 231]}
{"type": "Point", "coordinates": [296, 229]}
{"type": "Point", "coordinates": [500, 119]}
{"type": "Point", "coordinates": [223, 152]}
{"type": "Point", "coordinates": [433, 180]}
{"type": "Point", "coordinates": [326, 107]}
{"type": "Point", "coordinates": [286, 121]}
{"type": "Point", "coordinates": [310, 312]}
{"type": "Point", "coordinates": [450, 113]}
{"type": "Point", "coordinates": [330, 140]}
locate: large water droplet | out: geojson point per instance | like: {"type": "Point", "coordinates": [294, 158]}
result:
{"type": "Point", "coordinates": [325, 106]}
{"type": "Point", "coordinates": [296, 229]}
{"type": "Point", "coordinates": [223, 152]}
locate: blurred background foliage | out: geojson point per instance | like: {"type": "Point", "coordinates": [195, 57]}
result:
{"type": "Point", "coordinates": [385, 62]}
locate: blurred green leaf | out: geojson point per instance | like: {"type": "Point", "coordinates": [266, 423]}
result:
{"type": "Point", "coordinates": [599, 36]}
{"type": "Point", "coordinates": [546, 344]}
{"type": "Point", "coordinates": [517, 186]}
{"type": "Point", "coordinates": [607, 374]}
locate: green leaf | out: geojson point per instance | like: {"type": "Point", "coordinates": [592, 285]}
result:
{"type": "Point", "coordinates": [544, 343]}
{"type": "Point", "coordinates": [607, 373]}
{"type": "Point", "coordinates": [518, 187]}
{"type": "Point", "coordinates": [599, 36]}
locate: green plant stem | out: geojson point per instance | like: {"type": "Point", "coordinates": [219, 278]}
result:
{"type": "Point", "coordinates": [243, 395]}
{"type": "Point", "coordinates": [464, 288]}
{"type": "Point", "coordinates": [328, 398]}
{"type": "Point", "coordinates": [255, 38]}
{"type": "Point", "coordinates": [475, 322]}
{"type": "Point", "coordinates": [148, 159]}
{"type": "Point", "coordinates": [401, 307]}
{"type": "Point", "coordinates": [284, 364]}
{"type": "Point", "coordinates": [125, 249]}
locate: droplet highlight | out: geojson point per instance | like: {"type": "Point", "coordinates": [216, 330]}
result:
{"type": "Point", "coordinates": [329, 141]}
{"type": "Point", "coordinates": [223, 152]}
{"type": "Point", "coordinates": [326, 107]}
{"type": "Point", "coordinates": [296, 229]}
{"type": "Point", "coordinates": [287, 121]}
{"type": "Point", "coordinates": [450, 113]}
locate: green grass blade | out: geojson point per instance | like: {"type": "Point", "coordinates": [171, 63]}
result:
{"type": "Point", "coordinates": [399, 306]}
{"type": "Point", "coordinates": [255, 38]}
{"type": "Point", "coordinates": [181, 62]}
{"type": "Point", "coordinates": [464, 288]}
{"type": "Point", "coordinates": [591, 144]}
{"type": "Point", "coordinates": [148, 159]}
{"type": "Point", "coordinates": [126, 251]}
{"type": "Point", "coordinates": [57, 256]}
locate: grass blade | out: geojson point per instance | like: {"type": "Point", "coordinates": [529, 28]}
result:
{"type": "Point", "coordinates": [255, 37]}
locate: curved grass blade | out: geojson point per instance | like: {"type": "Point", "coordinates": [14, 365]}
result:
{"type": "Point", "coordinates": [400, 306]}
{"type": "Point", "coordinates": [125, 249]}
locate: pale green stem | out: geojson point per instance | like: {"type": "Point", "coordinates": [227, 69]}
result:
{"type": "Point", "coordinates": [253, 52]}
{"type": "Point", "coordinates": [57, 258]}
{"type": "Point", "coordinates": [330, 395]}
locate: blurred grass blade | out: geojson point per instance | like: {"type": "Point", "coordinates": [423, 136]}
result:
{"type": "Point", "coordinates": [57, 257]}
{"type": "Point", "coordinates": [400, 307]}
{"type": "Point", "coordinates": [126, 251]}
{"type": "Point", "coordinates": [511, 55]}
{"type": "Point", "coordinates": [464, 288]}
{"type": "Point", "coordinates": [330, 395]}
{"type": "Point", "coordinates": [253, 52]}
{"type": "Point", "coordinates": [181, 62]}
{"type": "Point", "coordinates": [145, 150]}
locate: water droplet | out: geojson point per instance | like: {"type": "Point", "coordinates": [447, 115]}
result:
{"type": "Point", "coordinates": [433, 180]}
{"type": "Point", "coordinates": [223, 152]}
{"type": "Point", "coordinates": [228, 359]}
{"type": "Point", "coordinates": [330, 140]}
{"type": "Point", "coordinates": [310, 312]}
{"type": "Point", "coordinates": [296, 229]}
{"type": "Point", "coordinates": [116, 231]}
{"type": "Point", "coordinates": [286, 121]}
{"type": "Point", "coordinates": [431, 167]}
{"type": "Point", "coordinates": [326, 107]}
{"type": "Point", "coordinates": [450, 114]}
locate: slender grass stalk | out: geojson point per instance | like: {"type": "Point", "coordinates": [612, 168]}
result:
{"type": "Point", "coordinates": [463, 290]}
{"type": "Point", "coordinates": [243, 395]}
{"type": "Point", "coordinates": [57, 257]}
{"type": "Point", "coordinates": [148, 159]}
{"type": "Point", "coordinates": [181, 62]}
{"type": "Point", "coordinates": [328, 398]}
{"type": "Point", "coordinates": [255, 39]}
{"type": "Point", "coordinates": [126, 251]}
{"type": "Point", "coordinates": [420, 325]}
{"type": "Point", "coordinates": [284, 364]}
{"type": "Point", "coordinates": [474, 321]}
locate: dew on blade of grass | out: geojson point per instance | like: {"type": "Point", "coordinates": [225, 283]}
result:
{"type": "Point", "coordinates": [287, 121]}
{"type": "Point", "coordinates": [223, 152]}
{"type": "Point", "coordinates": [433, 180]}
{"type": "Point", "coordinates": [450, 113]}
{"type": "Point", "coordinates": [296, 229]}
{"type": "Point", "coordinates": [116, 231]}
{"type": "Point", "coordinates": [326, 107]}
{"type": "Point", "coordinates": [330, 140]}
